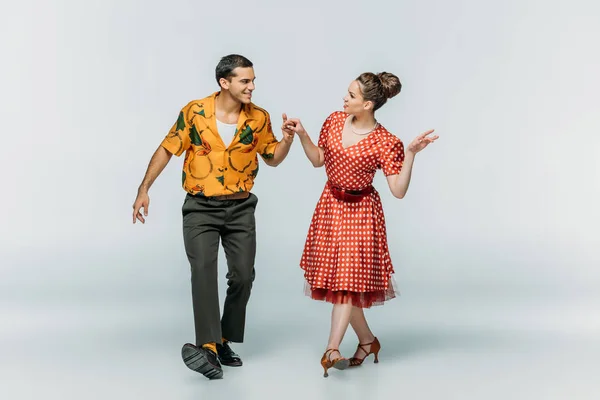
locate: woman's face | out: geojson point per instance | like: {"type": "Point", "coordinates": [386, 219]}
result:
{"type": "Point", "coordinates": [354, 103]}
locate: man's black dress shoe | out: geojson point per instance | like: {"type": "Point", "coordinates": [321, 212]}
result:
{"type": "Point", "coordinates": [228, 356]}
{"type": "Point", "coordinates": [201, 360]}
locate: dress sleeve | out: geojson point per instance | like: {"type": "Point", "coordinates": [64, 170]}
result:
{"type": "Point", "coordinates": [324, 134]}
{"type": "Point", "coordinates": [391, 157]}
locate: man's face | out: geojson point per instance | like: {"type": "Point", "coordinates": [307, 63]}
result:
{"type": "Point", "coordinates": [241, 85]}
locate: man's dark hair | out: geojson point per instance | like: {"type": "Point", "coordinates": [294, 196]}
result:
{"type": "Point", "coordinates": [228, 64]}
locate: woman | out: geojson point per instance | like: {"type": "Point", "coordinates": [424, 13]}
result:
{"type": "Point", "coordinates": [346, 259]}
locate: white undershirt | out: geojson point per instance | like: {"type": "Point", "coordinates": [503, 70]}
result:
{"type": "Point", "coordinates": [226, 131]}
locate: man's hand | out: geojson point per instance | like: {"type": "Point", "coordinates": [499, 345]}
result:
{"type": "Point", "coordinates": [142, 200]}
{"type": "Point", "coordinates": [287, 128]}
{"type": "Point", "coordinates": [159, 160]}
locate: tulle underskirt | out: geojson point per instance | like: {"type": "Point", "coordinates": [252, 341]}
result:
{"type": "Point", "coordinates": [357, 299]}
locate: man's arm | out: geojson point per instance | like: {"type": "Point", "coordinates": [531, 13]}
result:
{"type": "Point", "coordinates": [280, 153]}
{"type": "Point", "coordinates": [157, 164]}
{"type": "Point", "coordinates": [281, 149]}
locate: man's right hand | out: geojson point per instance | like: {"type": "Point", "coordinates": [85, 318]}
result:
{"type": "Point", "coordinates": [287, 127]}
{"type": "Point", "coordinates": [142, 200]}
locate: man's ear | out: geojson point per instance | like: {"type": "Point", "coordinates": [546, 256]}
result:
{"type": "Point", "coordinates": [224, 83]}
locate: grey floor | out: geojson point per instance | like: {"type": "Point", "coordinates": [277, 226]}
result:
{"type": "Point", "coordinates": [533, 344]}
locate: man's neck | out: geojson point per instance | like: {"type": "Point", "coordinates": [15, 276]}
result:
{"type": "Point", "coordinates": [227, 105]}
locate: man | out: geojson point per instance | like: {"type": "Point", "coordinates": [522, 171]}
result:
{"type": "Point", "coordinates": [222, 136]}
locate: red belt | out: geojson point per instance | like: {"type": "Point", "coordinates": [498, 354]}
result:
{"type": "Point", "coordinates": [350, 196]}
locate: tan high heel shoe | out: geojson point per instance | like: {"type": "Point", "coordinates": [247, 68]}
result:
{"type": "Point", "coordinates": [375, 347]}
{"type": "Point", "coordinates": [338, 363]}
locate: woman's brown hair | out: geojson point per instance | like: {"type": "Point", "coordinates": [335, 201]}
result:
{"type": "Point", "coordinates": [378, 88]}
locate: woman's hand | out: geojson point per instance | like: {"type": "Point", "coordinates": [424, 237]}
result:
{"type": "Point", "coordinates": [421, 141]}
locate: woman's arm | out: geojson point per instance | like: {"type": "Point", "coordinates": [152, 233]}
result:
{"type": "Point", "coordinates": [313, 152]}
{"type": "Point", "coordinates": [399, 183]}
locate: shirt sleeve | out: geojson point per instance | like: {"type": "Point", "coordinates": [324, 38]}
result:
{"type": "Point", "coordinates": [391, 158]}
{"type": "Point", "coordinates": [267, 141]}
{"type": "Point", "coordinates": [178, 139]}
{"type": "Point", "coordinates": [324, 134]}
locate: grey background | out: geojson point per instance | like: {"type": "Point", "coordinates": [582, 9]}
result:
{"type": "Point", "coordinates": [495, 246]}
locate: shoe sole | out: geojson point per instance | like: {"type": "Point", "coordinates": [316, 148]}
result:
{"type": "Point", "coordinates": [197, 361]}
{"type": "Point", "coordinates": [342, 364]}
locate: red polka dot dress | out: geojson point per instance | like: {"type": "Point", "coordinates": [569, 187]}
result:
{"type": "Point", "coordinates": [346, 256]}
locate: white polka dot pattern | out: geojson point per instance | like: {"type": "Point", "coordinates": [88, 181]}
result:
{"type": "Point", "coordinates": [346, 247]}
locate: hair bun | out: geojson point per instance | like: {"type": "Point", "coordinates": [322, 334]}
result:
{"type": "Point", "coordinates": [391, 84]}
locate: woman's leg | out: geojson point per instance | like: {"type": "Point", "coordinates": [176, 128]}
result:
{"type": "Point", "coordinates": [362, 330]}
{"type": "Point", "coordinates": [340, 318]}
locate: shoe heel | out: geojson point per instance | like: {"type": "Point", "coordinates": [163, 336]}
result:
{"type": "Point", "coordinates": [377, 347]}
{"type": "Point", "coordinates": [325, 364]}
